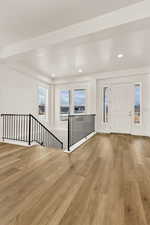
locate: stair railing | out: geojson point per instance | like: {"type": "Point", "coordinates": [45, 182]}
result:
{"type": "Point", "coordinates": [26, 128]}
{"type": "Point", "coordinates": [79, 128]}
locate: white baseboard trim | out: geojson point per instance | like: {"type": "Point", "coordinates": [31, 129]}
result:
{"type": "Point", "coordinates": [22, 143]}
{"type": "Point", "coordinates": [141, 134]}
{"type": "Point", "coordinates": [103, 131]}
{"type": "Point", "coordinates": [135, 133]}
{"type": "Point", "coordinates": [75, 146]}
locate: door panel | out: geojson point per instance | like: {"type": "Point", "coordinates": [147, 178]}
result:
{"type": "Point", "coordinates": [121, 108]}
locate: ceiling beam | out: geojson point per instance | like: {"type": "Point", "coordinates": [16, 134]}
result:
{"type": "Point", "coordinates": [122, 16]}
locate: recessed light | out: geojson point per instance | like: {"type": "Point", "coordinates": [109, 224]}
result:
{"type": "Point", "coordinates": [80, 70]}
{"type": "Point", "coordinates": [53, 75]}
{"type": "Point", "coordinates": [120, 56]}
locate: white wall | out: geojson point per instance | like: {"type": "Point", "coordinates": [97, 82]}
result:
{"type": "Point", "coordinates": [18, 93]}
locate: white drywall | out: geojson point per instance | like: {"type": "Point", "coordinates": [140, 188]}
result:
{"type": "Point", "coordinates": [18, 93]}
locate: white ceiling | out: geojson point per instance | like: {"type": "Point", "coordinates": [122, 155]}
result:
{"type": "Point", "coordinates": [24, 19]}
{"type": "Point", "coordinates": [93, 53]}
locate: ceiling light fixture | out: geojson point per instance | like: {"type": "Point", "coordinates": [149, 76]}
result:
{"type": "Point", "coordinates": [53, 75]}
{"type": "Point", "coordinates": [120, 56]}
{"type": "Point", "coordinates": [80, 71]}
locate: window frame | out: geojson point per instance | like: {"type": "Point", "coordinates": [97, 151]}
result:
{"type": "Point", "coordinates": [141, 116]}
{"type": "Point", "coordinates": [72, 91]}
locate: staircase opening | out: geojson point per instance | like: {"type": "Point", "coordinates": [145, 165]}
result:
{"type": "Point", "coordinates": [26, 128]}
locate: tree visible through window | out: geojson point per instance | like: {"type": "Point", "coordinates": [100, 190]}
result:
{"type": "Point", "coordinates": [137, 104]}
{"type": "Point", "coordinates": [79, 100]}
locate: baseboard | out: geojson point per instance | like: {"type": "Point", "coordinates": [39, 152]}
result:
{"type": "Point", "coordinates": [75, 146]}
{"type": "Point", "coordinates": [142, 134]}
{"type": "Point", "coordinates": [22, 143]}
{"type": "Point", "coordinates": [103, 132]}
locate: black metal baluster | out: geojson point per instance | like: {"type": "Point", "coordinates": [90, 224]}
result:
{"type": "Point", "coordinates": [12, 126]}
{"type": "Point", "coordinates": [3, 128]}
{"type": "Point", "coordinates": [24, 128]}
{"type": "Point", "coordinates": [10, 118]}
{"type": "Point", "coordinates": [38, 132]}
{"type": "Point", "coordinates": [35, 131]}
{"type": "Point", "coordinates": [16, 128]}
{"type": "Point", "coordinates": [29, 129]}
{"type": "Point", "coordinates": [19, 127]}
{"type": "Point", "coordinates": [41, 135]}
{"type": "Point", "coordinates": [6, 127]}
{"type": "Point", "coordinates": [47, 138]}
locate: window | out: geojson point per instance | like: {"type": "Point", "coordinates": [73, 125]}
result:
{"type": "Point", "coordinates": [42, 101]}
{"type": "Point", "coordinates": [64, 104]}
{"type": "Point", "coordinates": [105, 104]}
{"type": "Point", "coordinates": [137, 104]}
{"type": "Point", "coordinates": [79, 101]}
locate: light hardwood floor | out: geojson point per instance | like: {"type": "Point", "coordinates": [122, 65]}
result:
{"type": "Point", "coordinates": [105, 182]}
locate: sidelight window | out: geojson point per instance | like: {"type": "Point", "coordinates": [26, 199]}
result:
{"type": "Point", "coordinates": [105, 104]}
{"type": "Point", "coordinates": [137, 103]}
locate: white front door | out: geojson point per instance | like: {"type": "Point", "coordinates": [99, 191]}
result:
{"type": "Point", "coordinates": [121, 108]}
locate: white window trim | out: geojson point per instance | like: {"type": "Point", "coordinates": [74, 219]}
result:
{"type": "Point", "coordinates": [72, 89]}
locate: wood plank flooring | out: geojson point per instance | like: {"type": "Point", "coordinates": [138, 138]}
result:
{"type": "Point", "coordinates": [105, 182]}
